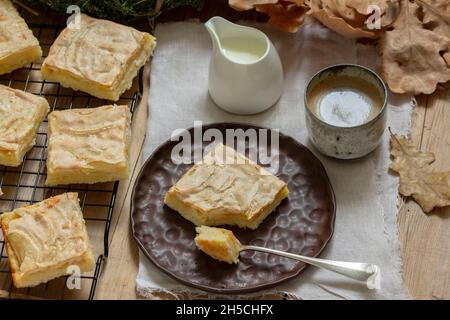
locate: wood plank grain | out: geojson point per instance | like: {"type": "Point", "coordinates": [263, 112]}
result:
{"type": "Point", "coordinates": [118, 277]}
{"type": "Point", "coordinates": [96, 203]}
{"type": "Point", "coordinates": [425, 239]}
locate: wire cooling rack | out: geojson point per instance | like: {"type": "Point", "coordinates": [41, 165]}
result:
{"type": "Point", "coordinates": [25, 184]}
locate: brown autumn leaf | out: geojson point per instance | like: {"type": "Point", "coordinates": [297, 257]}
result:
{"type": "Point", "coordinates": [416, 52]}
{"type": "Point", "coordinates": [347, 17]}
{"type": "Point", "coordinates": [350, 17]}
{"type": "Point", "coordinates": [242, 5]}
{"type": "Point", "coordinates": [415, 34]}
{"type": "Point", "coordinates": [285, 15]}
{"type": "Point", "coordinates": [429, 189]}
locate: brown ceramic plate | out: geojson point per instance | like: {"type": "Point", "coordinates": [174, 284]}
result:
{"type": "Point", "coordinates": [302, 224]}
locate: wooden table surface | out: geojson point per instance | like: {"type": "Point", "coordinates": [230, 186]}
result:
{"type": "Point", "coordinates": [425, 239]}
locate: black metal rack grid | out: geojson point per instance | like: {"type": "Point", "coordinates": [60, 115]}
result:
{"type": "Point", "coordinates": [25, 184]}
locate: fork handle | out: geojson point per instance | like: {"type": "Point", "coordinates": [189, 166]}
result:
{"type": "Point", "coordinates": [355, 270]}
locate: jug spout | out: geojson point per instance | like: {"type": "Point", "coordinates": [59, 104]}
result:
{"type": "Point", "coordinates": [217, 28]}
{"type": "Point", "coordinates": [239, 44]}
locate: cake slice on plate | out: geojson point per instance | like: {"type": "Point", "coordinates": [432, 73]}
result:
{"type": "Point", "coordinates": [226, 188]}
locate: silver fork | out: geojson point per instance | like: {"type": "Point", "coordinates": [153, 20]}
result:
{"type": "Point", "coordinates": [370, 273]}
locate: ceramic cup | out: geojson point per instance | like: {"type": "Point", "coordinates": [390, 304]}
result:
{"type": "Point", "coordinates": [346, 142]}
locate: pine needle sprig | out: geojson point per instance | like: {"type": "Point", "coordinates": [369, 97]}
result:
{"type": "Point", "coordinates": [120, 9]}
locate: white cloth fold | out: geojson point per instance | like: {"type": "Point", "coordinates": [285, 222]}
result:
{"type": "Point", "coordinates": [366, 218]}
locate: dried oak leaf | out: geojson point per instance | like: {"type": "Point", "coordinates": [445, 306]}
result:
{"type": "Point", "coordinates": [243, 5]}
{"type": "Point", "coordinates": [350, 17]}
{"type": "Point", "coordinates": [416, 52]}
{"type": "Point", "coordinates": [285, 15]}
{"type": "Point", "coordinates": [429, 189]}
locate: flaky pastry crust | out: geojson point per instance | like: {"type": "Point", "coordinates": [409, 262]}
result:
{"type": "Point", "coordinates": [43, 240]}
{"type": "Point", "coordinates": [21, 114]}
{"type": "Point", "coordinates": [100, 58]}
{"type": "Point", "coordinates": [18, 45]}
{"type": "Point", "coordinates": [88, 145]}
{"type": "Point", "coordinates": [226, 188]}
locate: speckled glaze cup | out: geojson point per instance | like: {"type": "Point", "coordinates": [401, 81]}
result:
{"type": "Point", "coordinates": [346, 142]}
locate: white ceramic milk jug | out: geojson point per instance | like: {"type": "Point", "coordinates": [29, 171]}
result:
{"type": "Point", "coordinates": [245, 72]}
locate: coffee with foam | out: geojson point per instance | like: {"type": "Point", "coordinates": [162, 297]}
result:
{"type": "Point", "coordinates": [345, 101]}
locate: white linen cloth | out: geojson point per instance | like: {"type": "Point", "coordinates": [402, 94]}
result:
{"type": "Point", "coordinates": [366, 194]}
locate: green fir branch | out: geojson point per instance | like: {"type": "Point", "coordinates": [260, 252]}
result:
{"type": "Point", "coordinates": [118, 9]}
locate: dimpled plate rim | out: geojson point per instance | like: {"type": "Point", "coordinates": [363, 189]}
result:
{"type": "Point", "coordinates": [219, 290]}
